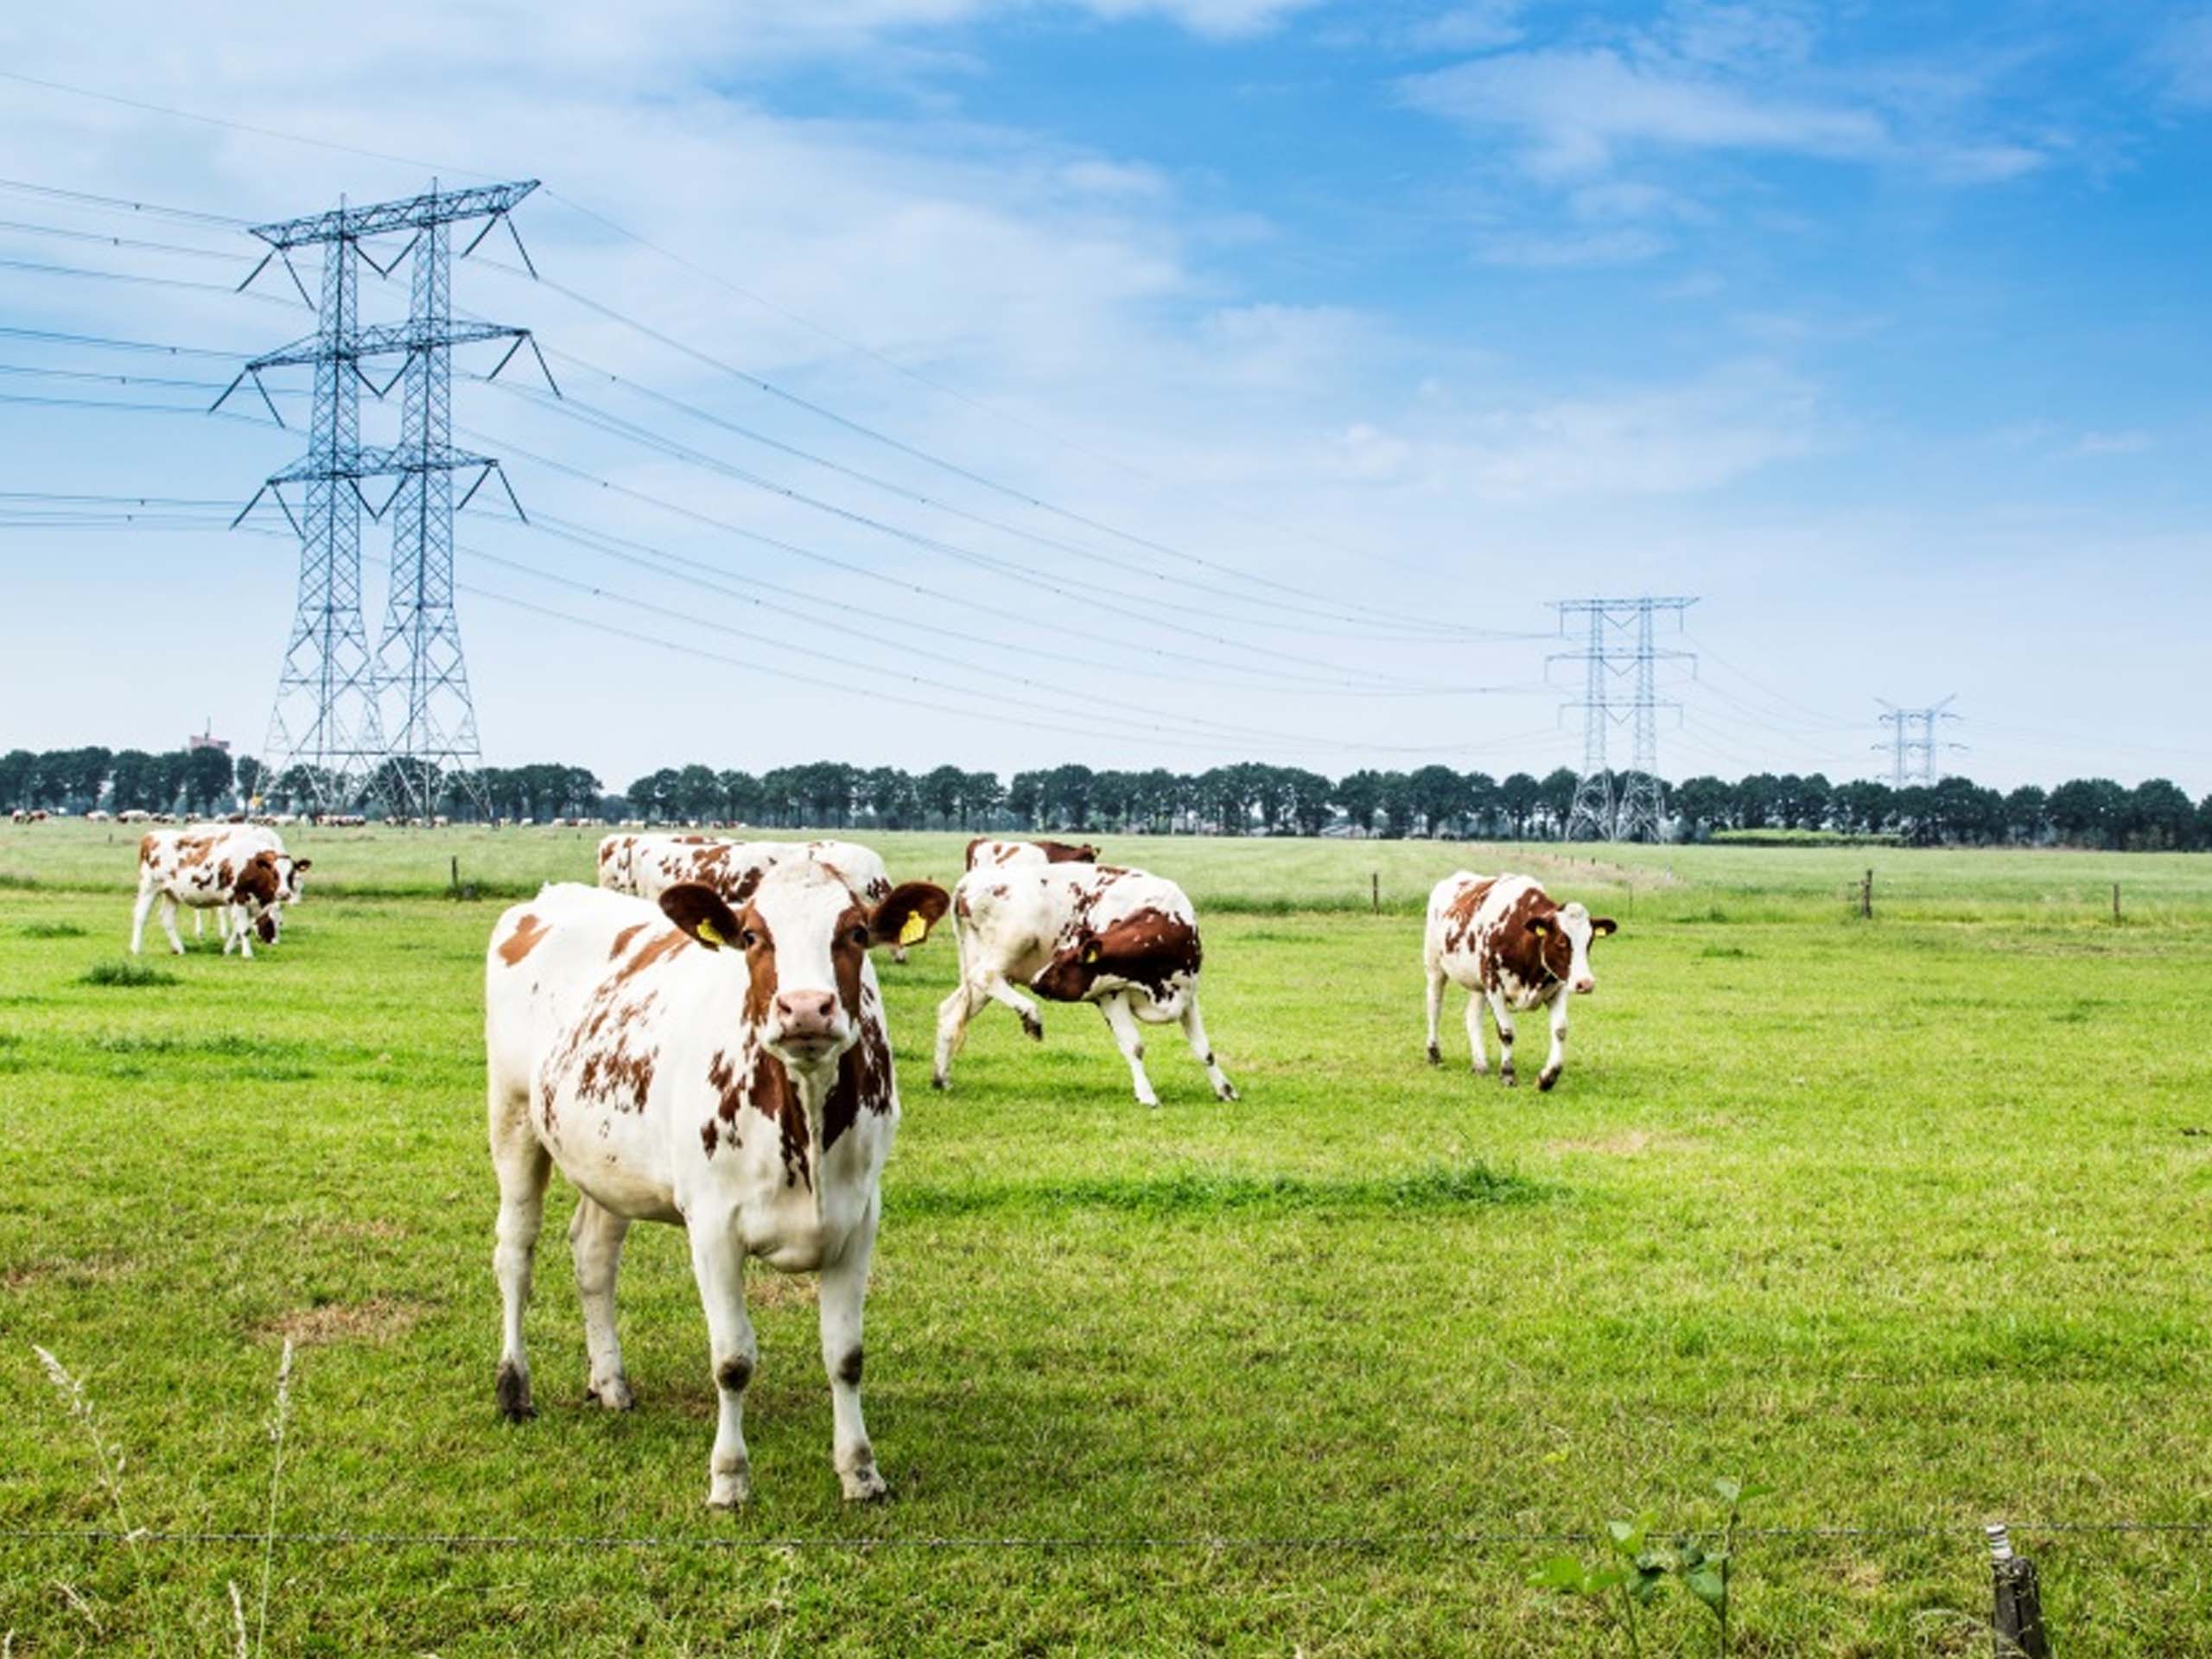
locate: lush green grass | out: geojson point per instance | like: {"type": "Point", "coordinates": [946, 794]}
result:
{"type": "Point", "coordinates": [1911, 1220]}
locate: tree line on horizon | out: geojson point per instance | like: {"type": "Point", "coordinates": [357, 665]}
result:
{"type": "Point", "coordinates": [1248, 798]}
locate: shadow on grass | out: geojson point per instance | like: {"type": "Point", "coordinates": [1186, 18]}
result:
{"type": "Point", "coordinates": [1197, 1192]}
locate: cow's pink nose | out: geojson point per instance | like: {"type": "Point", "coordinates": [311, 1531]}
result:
{"type": "Point", "coordinates": [807, 1013]}
{"type": "Point", "coordinates": [1583, 987]}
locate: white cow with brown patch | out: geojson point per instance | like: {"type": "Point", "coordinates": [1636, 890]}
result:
{"type": "Point", "coordinates": [984, 852]}
{"type": "Point", "coordinates": [722, 1067]}
{"type": "Point", "coordinates": [232, 869]}
{"type": "Point", "coordinates": [647, 866]}
{"type": "Point", "coordinates": [1503, 939]}
{"type": "Point", "coordinates": [1123, 940]}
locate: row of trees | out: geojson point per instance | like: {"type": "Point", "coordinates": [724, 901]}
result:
{"type": "Point", "coordinates": [1244, 800]}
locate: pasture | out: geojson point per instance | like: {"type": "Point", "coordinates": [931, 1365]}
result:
{"type": "Point", "coordinates": [1909, 1220]}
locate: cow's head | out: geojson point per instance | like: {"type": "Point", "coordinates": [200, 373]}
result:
{"type": "Point", "coordinates": [1563, 936]}
{"type": "Point", "coordinates": [1147, 948]}
{"type": "Point", "coordinates": [803, 935]}
{"type": "Point", "coordinates": [293, 871]}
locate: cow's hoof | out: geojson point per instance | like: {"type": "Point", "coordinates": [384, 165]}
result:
{"type": "Point", "coordinates": [513, 1388]}
{"type": "Point", "coordinates": [612, 1395]}
{"type": "Point", "coordinates": [1435, 1055]}
{"type": "Point", "coordinates": [1545, 1079]}
{"type": "Point", "coordinates": [1148, 1100]}
{"type": "Point", "coordinates": [1507, 1077]}
{"type": "Point", "coordinates": [863, 1484]}
{"type": "Point", "coordinates": [939, 1082]}
{"type": "Point", "coordinates": [1226, 1091]}
{"type": "Point", "coordinates": [1033, 1027]}
{"type": "Point", "coordinates": [731, 1491]}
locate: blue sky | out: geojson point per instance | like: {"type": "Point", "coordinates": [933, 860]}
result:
{"type": "Point", "coordinates": [1879, 327]}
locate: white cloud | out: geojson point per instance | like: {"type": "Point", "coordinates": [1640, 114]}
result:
{"type": "Point", "coordinates": [1219, 19]}
{"type": "Point", "coordinates": [1576, 110]}
{"type": "Point", "coordinates": [2132, 441]}
{"type": "Point", "coordinates": [1538, 250]}
{"type": "Point", "coordinates": [2182, 60]}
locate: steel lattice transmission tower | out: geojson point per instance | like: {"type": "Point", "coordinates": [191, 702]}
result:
{"type": "Point", "coordinates": [395, 723]}
{"type": "Point", "coordinates": [1913, 757]}
{"type": "Point", "coordinates": [1619, 644]}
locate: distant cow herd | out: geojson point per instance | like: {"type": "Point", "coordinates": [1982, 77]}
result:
{"type": "Point", "coordinates": [701, 1040]}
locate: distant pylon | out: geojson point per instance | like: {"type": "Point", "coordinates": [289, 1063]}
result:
{"type": "Point", "coordinates": [334, 702]}
{"type": "Point", "coordinates": [1913, 758]}
{"type": "Point", "coordinates": [1618, 642]}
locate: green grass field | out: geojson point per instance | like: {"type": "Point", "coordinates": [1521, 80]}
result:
{"type": "Point", "coordinates": [1909, 1220]}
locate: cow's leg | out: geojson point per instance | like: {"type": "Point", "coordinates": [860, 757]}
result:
{"type": "Point", "coordinates": [1194, 1032]}
{"type": "Point", "coordinates": [168, 924]}
{"type": "Point", "coordinates": [1435, 1009]}
{"type": "Point", "coordinates": [718, 1264]}
{"type": "Point", "coordinates": [595, 1235]}
{"type": "Point", "coordinates": [143, 909]}
{"type": "Point", "coordinates": [996, 987]}
{"type": "Point", "coordinates": [1557, 1058]}
{"type": "Point", "coordinates": [240, 931]}
{"type": "Point", "coordinates": [1475, 1031]}
{"type": "Point", "coordinates": [1504, 1017]}
{"type": "Point", "coordinates": [523, 1167]}
{"type": "Point", "coordinates": [200, 925]}
{"type": "Point", "coordinates": [952, 1017]}
{"type": "Point", "coordinates": [1129, 1037]}
{"type": "Point", "coordinates": [843, 1292]}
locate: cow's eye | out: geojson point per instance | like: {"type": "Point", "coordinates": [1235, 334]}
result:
{"type": "Point", "coordinates": [747, 938]}
{"type": "Point", "coordinates": [858, 936]}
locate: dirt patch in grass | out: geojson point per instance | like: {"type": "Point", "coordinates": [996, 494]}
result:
{"type": "Point", "coordinates": [76, 1275]}
{"type": "Point", "coordinates": [378, 1319]}
{"type": "Point", "coordinates": [766, 1287]}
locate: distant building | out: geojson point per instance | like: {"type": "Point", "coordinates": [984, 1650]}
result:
{"type": "Point", "coordinates": [207, 739]}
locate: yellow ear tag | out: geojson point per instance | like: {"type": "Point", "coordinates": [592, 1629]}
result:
{"type": "Point", "coordinates": [1539, 929]}
{"type": "Point", "coordinates": [915, 929]}
{"type": "Point", "coordinates": [710, 934]}
{"type": "Point", "coordinates": [1089, 954]}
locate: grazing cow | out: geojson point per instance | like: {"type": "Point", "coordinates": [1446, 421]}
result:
{"type": "Point", "coordinates": [1504, 940]}
{"type": "Point", "coordinates": [260, 835]}
{"type": "Point", "coordinates": [722, 1067]}
{"type": "Point", "coordinates": [1124, 940]}
{"type": "Point", "coordinates": [234, 870]}
{"type": "Point", "coordinates": [984, 851]}
{"type": "Point", "coordinates": [647, 866]}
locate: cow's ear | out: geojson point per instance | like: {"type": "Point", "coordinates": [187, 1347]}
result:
{"type": "Point", "coordinates": [1603, 925]}
{"type": "Point", "coordinates": [699, 911]}
{"type": "Point", "coordinates": [908, 912]}
{"type": "Point", "coordinates": [303, 863]}
{"type": "Point", "coordinates": [1539, 929]}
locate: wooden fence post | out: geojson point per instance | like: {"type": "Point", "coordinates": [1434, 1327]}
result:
{"type": "Point", "coordinates": [455, 886]}
{"type": "Point", "coordinates": [2115, 903]}
{"type": "Point", "coordinates": [1866, 897]}
{"type": "Point", "coordinates": [2017, 1623]}
{"type": "Point", "coordinates": [1375, 889]}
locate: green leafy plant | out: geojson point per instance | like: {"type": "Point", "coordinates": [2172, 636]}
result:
{"type": "Point", "coordinates": [1639, 1569]}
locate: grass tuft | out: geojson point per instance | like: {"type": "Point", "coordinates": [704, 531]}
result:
{"type": "Point", "coordinates": [52, 931]}
{"type": "Point", "coordinates": [126, 973]}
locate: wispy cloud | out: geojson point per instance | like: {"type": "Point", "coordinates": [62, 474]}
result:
{"type": "Point", "coordinates": [2182, 60]}
{"type": "Point", "coordinates": [2132, 441]}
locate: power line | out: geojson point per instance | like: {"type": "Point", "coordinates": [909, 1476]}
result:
{"type": "Point", "coordinates": [575, 408]}
{"type": "Point", "coordinates": [87, 199]}
{"type": "Point", "coordinates": [59, 233]}
{"type": "Point", "coordinates": [914, 452]}
{"type": "Point", "coordinates": [1026, 578]}
{"type": "Point", "coordinates": [84, 273]}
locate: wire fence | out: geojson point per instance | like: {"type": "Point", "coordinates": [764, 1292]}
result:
{"type": "Point", "coordinates": [1348, 1543]}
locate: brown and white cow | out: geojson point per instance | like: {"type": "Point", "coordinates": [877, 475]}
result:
{"type": "Point", "coordinates": [1509, 946]}
{"type": "Point", "coordinates": [647, 866]}
{"type": "Point", "coordinates": [722, 1067]}
{"type": "Point", "coordinates": [296, 891]}
{"type": "Point", "coordinates": [1123, 940]}
{"type": "Point", "coordinates": [983, 851]}
{"type": "Point", "coordinates": [233, 870]}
